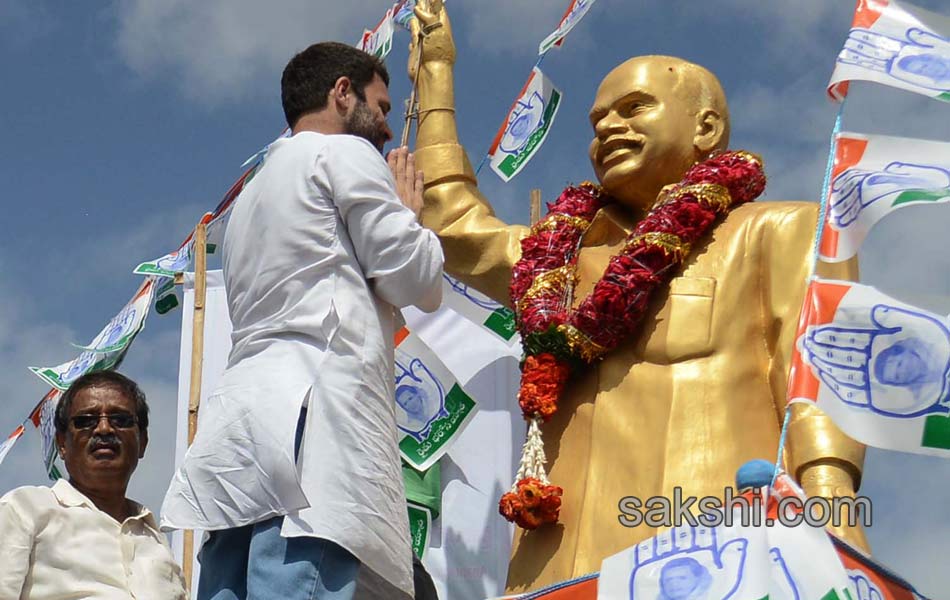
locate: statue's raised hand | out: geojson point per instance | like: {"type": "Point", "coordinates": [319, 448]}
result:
{"type": "Point", "coordinates": [688, 562]}
{"type": "Point", "coordinates": [897, 365]}
{"type": "Point", "coordinates": [920, 58]}
{"type": "Point", "coordinates": [431, 26]}
{"type": "Point", "coordinates": [855, 189]}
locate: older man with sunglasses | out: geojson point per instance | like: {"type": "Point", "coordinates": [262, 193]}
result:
{"type": "Point", "coordinates": [82, 538]}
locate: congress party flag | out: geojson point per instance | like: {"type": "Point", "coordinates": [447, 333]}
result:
{"type": "Point", "coordinates": [379, 40]}
{"type": "Point", "coordinates": [42, 418]}
{"type": "Point", "coordinates": [805, 562]}
{"type": "Point", "coordinates": [432, 409]}
{"type": "Point", "coordinates": [572, 16]}
{"type": "Point", "coordinates": [479, 308]}
{"type": "Point", "coordinates": [8, 443]}
{"type": "Point", "coordinates": [525, 127]}
{"type": "Point", "coordinates": [403, 13]}
{"type": "Point", "coordinates": [108, 348]}
{"type": "Point", "coordinates": [873, 176]}
{"type": "Point", "coordinates": [895, 44]}
{"type": "Point", "coordinates": [691, 562]}
{"type": "Point", "coordinates": [878, 367]}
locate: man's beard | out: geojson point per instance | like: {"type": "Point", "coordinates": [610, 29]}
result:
{"type": "Point", "coordinates": [362, 123]}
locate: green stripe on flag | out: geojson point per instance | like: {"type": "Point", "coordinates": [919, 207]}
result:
{"type": "Point", "coordinates": [944, 96]}
{"type": "Point", "coordinates": [936, 432]}
{"type": "Point", "coordinates": [502, 322]}
{"type": "Point", "coordinates": [457, 405]}
{"type": "Point", "coordinates": [921, 196]}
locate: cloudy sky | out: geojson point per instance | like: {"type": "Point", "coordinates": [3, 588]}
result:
{"type": "Point", "coordinates": [124, 121]}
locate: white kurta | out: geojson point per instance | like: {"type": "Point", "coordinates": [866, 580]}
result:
{"type": "Point", "coordinates": [317, 254]}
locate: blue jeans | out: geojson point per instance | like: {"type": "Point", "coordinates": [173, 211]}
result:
{"type": "Point", "coordinates": [255, 563]}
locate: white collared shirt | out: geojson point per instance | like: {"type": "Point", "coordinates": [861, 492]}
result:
{"type": "Point", "coordinates": [318, 252]}
{"type": "Point", "coordinates": [56, 544]}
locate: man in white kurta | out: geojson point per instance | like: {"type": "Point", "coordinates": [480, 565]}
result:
{"type": "Point", "coordinates": [319, 252]}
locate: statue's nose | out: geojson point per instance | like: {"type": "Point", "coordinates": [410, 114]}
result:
{"type": "Point", "coordinates": [610, 123]}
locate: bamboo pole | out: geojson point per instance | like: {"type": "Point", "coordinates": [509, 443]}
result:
{"type": "Point", "coordinates": [197, 362]}
{"type": "Point", "coordinates": [535, 206]}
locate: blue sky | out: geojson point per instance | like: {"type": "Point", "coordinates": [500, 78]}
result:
{"type": "Point", "coordinates": [124, 121]}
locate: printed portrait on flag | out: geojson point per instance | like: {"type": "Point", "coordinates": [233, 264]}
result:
{"type": "Point", "coordinates": [420, 396]}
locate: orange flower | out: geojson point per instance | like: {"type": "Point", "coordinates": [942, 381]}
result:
{"type": "Point", "coordinates": [533, 505]}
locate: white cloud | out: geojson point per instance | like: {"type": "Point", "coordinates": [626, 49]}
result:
{"type": "Point", "coordinates": [222, 49]}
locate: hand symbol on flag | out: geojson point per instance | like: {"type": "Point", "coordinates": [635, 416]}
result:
{"type": "Point", "coordinates": [855, 189]}
{"type": "Point", "coordinates": [420, 397]}
{"type": "Point", "coordinates": [865, 588]}
{"type": "Point", "coordinates": [688, 562]}
{"type": "Point", "coordinates": [782, 584]}
{"type": "Point", "coordinates": [526, 118]}
{"type": "Point", "coordinates": [897, 365]}
{"type": "Point", "coordinates": [922, 58]}
{"type": "Point", "coordinates": [471, 294]}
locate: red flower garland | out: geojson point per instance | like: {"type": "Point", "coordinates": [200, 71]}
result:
{"type": "Point", "coordinates": [556, 338]}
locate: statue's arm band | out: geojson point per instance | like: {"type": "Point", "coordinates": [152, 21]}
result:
{"type": "Point", "coordinates": [445, 162]}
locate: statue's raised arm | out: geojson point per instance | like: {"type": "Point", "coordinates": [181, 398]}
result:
{"type": "Point", "coordinates": [480, 249]}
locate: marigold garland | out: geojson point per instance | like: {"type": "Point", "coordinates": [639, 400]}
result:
{"type": "Point", "coordinates": [558, 339]}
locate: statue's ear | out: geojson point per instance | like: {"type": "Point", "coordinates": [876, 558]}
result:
{"type": "Point", "coordinates": [710, 131]}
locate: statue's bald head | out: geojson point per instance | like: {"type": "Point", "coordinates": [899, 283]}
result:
{"type": "Point", "coordinates": [669, 111]}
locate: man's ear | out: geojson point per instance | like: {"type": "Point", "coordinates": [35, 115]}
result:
{"type": "Point", "coordinates": [341, 92]}
{"type": "Point", "coordinates": [61, 445]}
{"type": "Point", "coordinates": [143, 442]}
{"type": "Point", "coordinates": [710, 128]}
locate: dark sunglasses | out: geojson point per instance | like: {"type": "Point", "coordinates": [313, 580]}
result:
{"type": "Point", "coordinates": [116, 420]}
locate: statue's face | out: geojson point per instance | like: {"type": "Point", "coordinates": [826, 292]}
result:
{"type": "Point", "coordinates": [644, 125]}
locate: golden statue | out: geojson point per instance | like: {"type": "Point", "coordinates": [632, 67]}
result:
{"type": "Point", "coordinates": [701, 389]}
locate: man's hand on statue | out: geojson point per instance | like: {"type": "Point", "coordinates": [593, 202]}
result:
{"type": "Point", "coordinates": [688, 562]}
{"type": "Point", "coordinates": [409, 185]}
{"type": "Point", "coordinates": [897, 365]}
{"type": "Point", "coordinates": [855, 189]}
{"type": "Point", "coordinates": [430, 26]}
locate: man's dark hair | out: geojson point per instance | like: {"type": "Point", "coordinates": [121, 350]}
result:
{"type": "Point", "coordinates": [310, 76]}
{"type": "Point", "coordinates": [112, 379]}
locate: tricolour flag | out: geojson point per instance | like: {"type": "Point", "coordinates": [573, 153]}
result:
{"type": "Point", "coordinates": [691, 562]}
{"type": "Point", "coordinates": [572, 16]}
{"type": "Point", "coordinates": [878, 367]}
{"type": "Point", "coordinates": [805, 562]}
{"type": "Point", "coordinates": [895, 44]}
{"type": "Point", "coordinates": [8, 443]}
{"type": "Point", "coordinates": [403, 13]}
{"type": "Point", "coordinates": [479, 308]}
{"type": "Point", "coordinates": [379, 40]}
{"type": "Point", "coordinates": [525, 126]}
{"type": "Point", "coordinates": [108, 348]}
{"type": "Point", "coordinates": [432, 409]}
{"type": "Point", "coordinates": [873, 176]}
{"type": "Point", "coordinates": [42, 418]}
